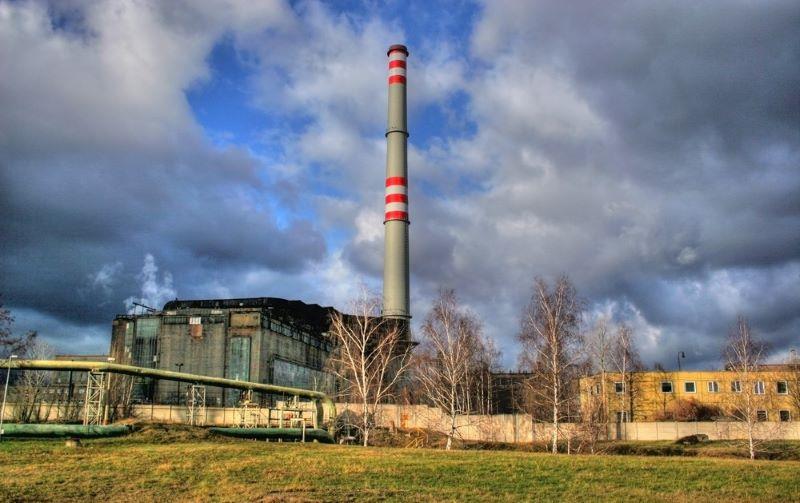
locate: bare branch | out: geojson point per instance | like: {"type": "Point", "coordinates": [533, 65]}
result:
{"type": "Point", "coordinates": [370, 357]}
{"type": "Point", "coordinates": [550, 339]}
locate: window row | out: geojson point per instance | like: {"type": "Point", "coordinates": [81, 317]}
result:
{"type": "Point", "coordinates": [781, 387]}
{"type": "Point", "coordinates": [784, 416]}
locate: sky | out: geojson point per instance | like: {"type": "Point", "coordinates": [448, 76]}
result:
{"type": "Point", "coordinates": [227, 148]}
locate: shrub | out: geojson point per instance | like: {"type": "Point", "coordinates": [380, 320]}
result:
{"type": "Point", "coordinates": [688, 410]}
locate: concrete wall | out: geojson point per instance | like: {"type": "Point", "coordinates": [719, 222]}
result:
{"type": "Point", "coordinates": [514, 428]}
{"type": "Point", "coordinates": [518, 428]}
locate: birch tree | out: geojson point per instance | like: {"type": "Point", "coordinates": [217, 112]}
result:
{"type": "Point", "coordinates": [453, 361]}
{"type": "Point", "coordinates": [794, 384]}
{"type": "Point", "coordinates": [744, 355]}
{"type": "Point", "coordinates": [549, 338]}
{"type": "Point", "coordinates": [370, 357]}
{"type": "Point", "coordinates": [626, 360]}
{"type": "Point", "coordinates": [598, 344]}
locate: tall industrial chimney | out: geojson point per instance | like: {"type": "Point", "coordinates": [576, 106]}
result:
{"type": "Point", "coordinates": [396, 298]}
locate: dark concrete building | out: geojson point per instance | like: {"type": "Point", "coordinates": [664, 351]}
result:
{"type": "Point", "coordinates": [263, 339]}
{"type": "Point", "coordinates": [509, 392]}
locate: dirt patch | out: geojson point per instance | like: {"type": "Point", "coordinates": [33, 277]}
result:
{"type": "Point", "coordinates": [155, 433]}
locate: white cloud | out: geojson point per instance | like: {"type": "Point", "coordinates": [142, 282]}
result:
{"type": "Point", "coordinates": [527, 101]}
{"type": "Point", "coordinates": [105, 277]}
{"type": "Point", "coordinates": [119, 80]}
{"type": "Point", "coordinates": [155, 291]}
{"type": "Point", "coordinates": [561, 164]}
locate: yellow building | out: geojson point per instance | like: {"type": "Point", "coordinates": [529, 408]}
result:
{"type": "Point", "coordinates": [769, 394]}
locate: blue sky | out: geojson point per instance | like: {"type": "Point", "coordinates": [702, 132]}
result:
{"type": "Point", "coordinates": [152, 150]}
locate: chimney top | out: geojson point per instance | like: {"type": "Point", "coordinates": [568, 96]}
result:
{"type": "Point", "coordinates": [397, 47]}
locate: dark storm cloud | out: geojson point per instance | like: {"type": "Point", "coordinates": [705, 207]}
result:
{"type": "Point", "coordinates": [650, 151]}
{"type": "Point", "coordinates": [101, 162]}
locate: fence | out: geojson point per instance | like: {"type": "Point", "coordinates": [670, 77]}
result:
{"type": "Point", "coordinates": [519, 428]}
{"type": "Point", "coordinates": [513, 428]}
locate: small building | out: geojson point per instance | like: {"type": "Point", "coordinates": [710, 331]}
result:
{"type": "Point", "coordinates": [263, 339]}
{"type": "Point", "coordinates": [509, 392]}
{"type": "Point", "coordinates": [692, 395]}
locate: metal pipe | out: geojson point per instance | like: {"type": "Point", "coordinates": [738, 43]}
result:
{"type": "Point", "coordinates": [396, 297]}
{"type": "Point", "coordinates": [65, 430]}
{"type": "Point", "coordinates": [5, 394]}
{"type": "Point", "coordinates": [322, 401]}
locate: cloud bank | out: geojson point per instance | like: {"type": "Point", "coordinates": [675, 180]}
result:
{"type": "Point", "coordinates": [649, 151]}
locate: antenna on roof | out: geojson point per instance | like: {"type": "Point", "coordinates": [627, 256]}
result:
{"type": "Point", "coordinates": [146, 308]}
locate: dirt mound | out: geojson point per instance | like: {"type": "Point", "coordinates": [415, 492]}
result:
{"type": "Point", "coordinates": [168, 433]}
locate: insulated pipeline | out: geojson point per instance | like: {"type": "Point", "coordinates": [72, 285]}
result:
{"type": "Point", "coordinates": [323, 402]}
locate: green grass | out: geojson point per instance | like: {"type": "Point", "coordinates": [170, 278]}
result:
{"type": "Point", "coordinates": [145, 468]}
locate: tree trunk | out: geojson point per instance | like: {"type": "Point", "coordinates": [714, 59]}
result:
{"type": "Point", "coordinates": [452, 431]}
{"type": "Point", "coordinates": [365, 420]}
{"type": "Point", "coordinates": [555, 420]}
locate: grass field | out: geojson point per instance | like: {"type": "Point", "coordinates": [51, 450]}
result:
{"type": "Point", "coordinates": [139, 468]}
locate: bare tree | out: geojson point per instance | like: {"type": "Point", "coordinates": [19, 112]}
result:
{"type": "Point", "coordinates": [486, 364]}
{"type": "Point", "coordinates": [593, 425]}
{"type": "Point", "coordinates": [626, 361]}
{"type": "Point", "coordinates": [370, 357]}
{"type": "Point", "coordinates": [598, 345]}
{"type": "Point", "coordinates": [794, 382]}
{"type": "Point", "coordinates": [614, 361]}
{"type": "Point", "coordinates": [9, 343]}
{"type": "Point", "coordinates": [744, 355]}
{"type": "Point", "coordinates": [33, 387]}
{"type": "Point", "coordinates": [549, 337]}
{"type": "Point", "coordinates": [120, 393]}
{"type": "Point", "coordinates": [453, 361]}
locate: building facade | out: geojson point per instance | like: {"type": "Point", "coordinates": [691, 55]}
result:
{"type": "Point", "coordinates": [264, 340]}
{"type": "Point", "coordinates": [771, 392]}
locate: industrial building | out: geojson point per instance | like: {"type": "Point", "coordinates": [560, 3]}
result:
{"type": "Point", "coordinates": [264, 340]}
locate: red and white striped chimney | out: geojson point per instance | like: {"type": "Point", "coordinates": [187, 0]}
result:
{"type": "Point", "coordinates": [396, 298]}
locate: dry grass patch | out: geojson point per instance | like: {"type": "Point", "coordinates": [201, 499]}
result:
{"type": "Point", "coordinates": [207, 469]}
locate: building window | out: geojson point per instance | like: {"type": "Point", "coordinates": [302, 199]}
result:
{"type": "Point", "coordinates": [761, 415]}
{"type": "Point", "coordinates": [622, 416]}
{"type": "Point", "coordinates": [736, 386]}
{"type": "Point", "coordinates": [758, 387]}
{"type": "Point", "coordinates": [785, 416]}
{"type": "Point", "coordinates": [689, 387]}
{"type": "Point", "coordinates": [619, 387]}
{"type": "Point", "coordinates": [666, 386]}
{"type": "Point", "coordinates": [596, 389]}
{"type": "Point", "coordinates": [783, 387]}
{"type": "Point", "coordinates": [713, 387]}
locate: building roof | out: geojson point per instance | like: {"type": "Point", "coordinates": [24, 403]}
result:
{"type": "Point", "coordinates": [313, 316]}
